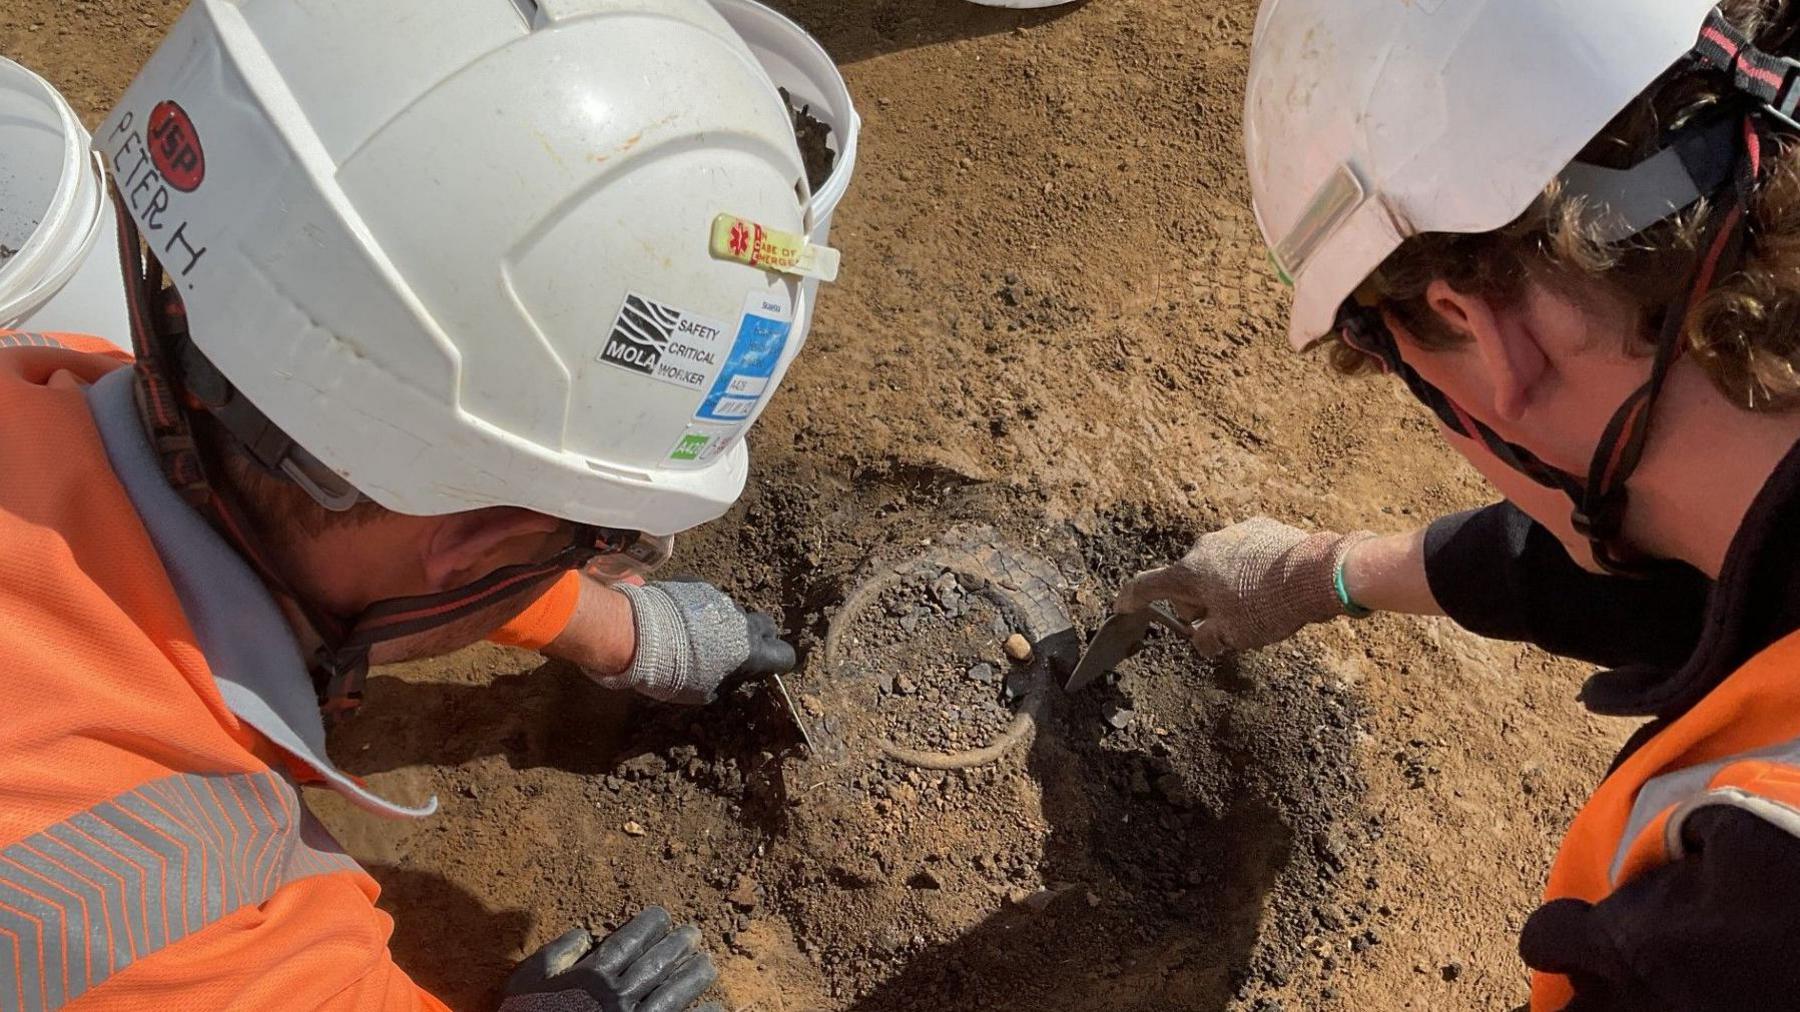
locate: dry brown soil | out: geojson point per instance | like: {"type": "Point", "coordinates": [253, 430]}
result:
{"type": "Point", "coordinates": [1054, 318]}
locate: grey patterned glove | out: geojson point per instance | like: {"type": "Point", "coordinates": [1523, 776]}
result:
{"type": "Point", "coordinates": [691, 639]}
{"type": "Point", "coordinates": [1249, 585]}
{"type": "Point", "coordinates": [642, 967]}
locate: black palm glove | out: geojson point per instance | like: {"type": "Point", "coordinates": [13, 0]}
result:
{"type": "Point", "coordinates": [646, 966]}
{"type": "Point", "coordinates": [769, 653]}
{"type": "Point", "coordinates": [692, 640]}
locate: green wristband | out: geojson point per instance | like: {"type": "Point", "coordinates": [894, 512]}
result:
{"type": "Point", "coordinates": [1351, 608]}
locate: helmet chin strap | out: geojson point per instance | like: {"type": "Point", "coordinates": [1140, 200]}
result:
{"type": "Point", "coordinates": [1599, 499]}
{"type": "Point", "coordinates": [1697, 162]}
{"type": "Point", "coordinates": [174, 379]}
{"type": "Point", "coordinates": [1600, 511]}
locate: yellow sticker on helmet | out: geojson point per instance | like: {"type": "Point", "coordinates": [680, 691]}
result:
{"type": "Point", "coordinates": [746, 242]}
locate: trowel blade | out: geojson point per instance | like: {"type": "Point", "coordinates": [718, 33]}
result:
{"type": "Point", "coordinates": [1116, 640]}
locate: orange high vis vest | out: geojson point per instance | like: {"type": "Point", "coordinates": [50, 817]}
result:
{"type": "Point", "coordinates": [1739, 747]}
{"type": "Point", "coordinates": [154, 852]}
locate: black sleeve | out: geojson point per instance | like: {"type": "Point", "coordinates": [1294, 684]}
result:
{"type": "Point", "coordinates": [1500, 574]}
{"type": "Point", "coordinates": [1716, 930]}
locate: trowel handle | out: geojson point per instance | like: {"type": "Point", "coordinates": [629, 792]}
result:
{"type": "Point", "coordinates": [1161, 615]}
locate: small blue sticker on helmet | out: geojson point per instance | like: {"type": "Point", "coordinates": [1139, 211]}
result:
{"type": "Point", "coordinates": [750, 368]}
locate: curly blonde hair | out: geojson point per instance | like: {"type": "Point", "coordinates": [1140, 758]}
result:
{"type": "Point", "coordinates": [1745, 332]}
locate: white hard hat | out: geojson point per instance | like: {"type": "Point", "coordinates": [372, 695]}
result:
{"type": "Point", "coordinates": [462, 251]}
{"type": "Point", "coordinates": [1371, 121]}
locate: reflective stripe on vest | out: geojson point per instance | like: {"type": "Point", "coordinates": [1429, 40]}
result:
{"type": "Point", "coordinates": [26, 339]}
{"type": "Point", "coordinates": [85, 898]}
{"type": "Point", "coordinates": [1680, 793]}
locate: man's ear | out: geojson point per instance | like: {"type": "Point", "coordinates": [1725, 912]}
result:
{"type": "Point", "coordinates": [1514, 359]}
{"type": "Point", "coordinates": [464, 547]}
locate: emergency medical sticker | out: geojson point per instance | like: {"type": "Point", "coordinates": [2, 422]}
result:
{"type": "Point", "coordinates": [761, 337]}
{"type": "Point", "coordinates": [747, 242]}
{"type": "Point", "coordinates": [665, 343]}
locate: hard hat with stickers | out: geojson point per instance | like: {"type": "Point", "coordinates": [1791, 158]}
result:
{"type": "Point", "coordinates": [1368, 123]}
{"type": "Point", "coordinates": [463, 254]}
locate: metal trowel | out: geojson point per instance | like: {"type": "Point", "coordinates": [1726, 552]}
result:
{"type": "Point", "coordinates": [1118, 638]}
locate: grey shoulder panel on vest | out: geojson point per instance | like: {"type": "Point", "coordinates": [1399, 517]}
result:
{"type": "Point", "coordinates": [247, 643]}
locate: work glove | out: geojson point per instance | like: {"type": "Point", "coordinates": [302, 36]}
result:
{"type": "Point", "coordinates": [1249, 585]}
{"type": "Point", "coordinates": [642, 967]}
{"type": "Point", "coordinates": [692, 639]}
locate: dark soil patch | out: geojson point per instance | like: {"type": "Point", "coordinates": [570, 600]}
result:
{"type": "Point", "coordinates": [814, 136]}
{"type": "Point", "coordinates": [926, 669]}
{"type": "Point", "coordinates": [1172, 863]}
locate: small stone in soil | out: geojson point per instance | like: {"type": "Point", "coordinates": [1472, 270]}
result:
{"type": "Point", "coordinates": [1018, 647]}
{"type": "Point", "coordinates": [744, 896]}
{"type": "Point", "coordinates": [924, 879]}
{"type": "Point", "coordinates": [1451, 971]}
{"type": "Point", "coordinates": [643, 767]}
{"type": "Point", "coordinates": [1140, 782]}
{"type": "Point", "coordinates": [903, 686]}
{"type": "Point", "coordinates": [634, 829]}
{"type": "Point", "coordinates": [1117, 717]}
{"type": "Point", "coordinates": [1174, 790]}
{"type": "Point", "coordinates": [983, 673]}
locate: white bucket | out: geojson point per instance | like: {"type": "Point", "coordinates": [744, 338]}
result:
{"type": "Point", "coordinates": [55, 214]}
{"type": "Point", "coordinates": [795, 61]}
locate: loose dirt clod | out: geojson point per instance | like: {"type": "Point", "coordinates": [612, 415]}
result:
{"type": "Point", "coordinates": [813, 135]}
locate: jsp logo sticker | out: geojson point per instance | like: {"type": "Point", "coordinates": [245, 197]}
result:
{"type": "Point", "coordinates": [149, 168]}
{"type": "Point", "coordinates": [175, 147]}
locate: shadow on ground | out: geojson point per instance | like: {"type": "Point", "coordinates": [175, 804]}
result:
{"type": "Point", "coordinates": [853, 30]}
{"type": "Point", "coordinates": [1145, 906]}
{"type": "Point", "coordinates": [463, 947]}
